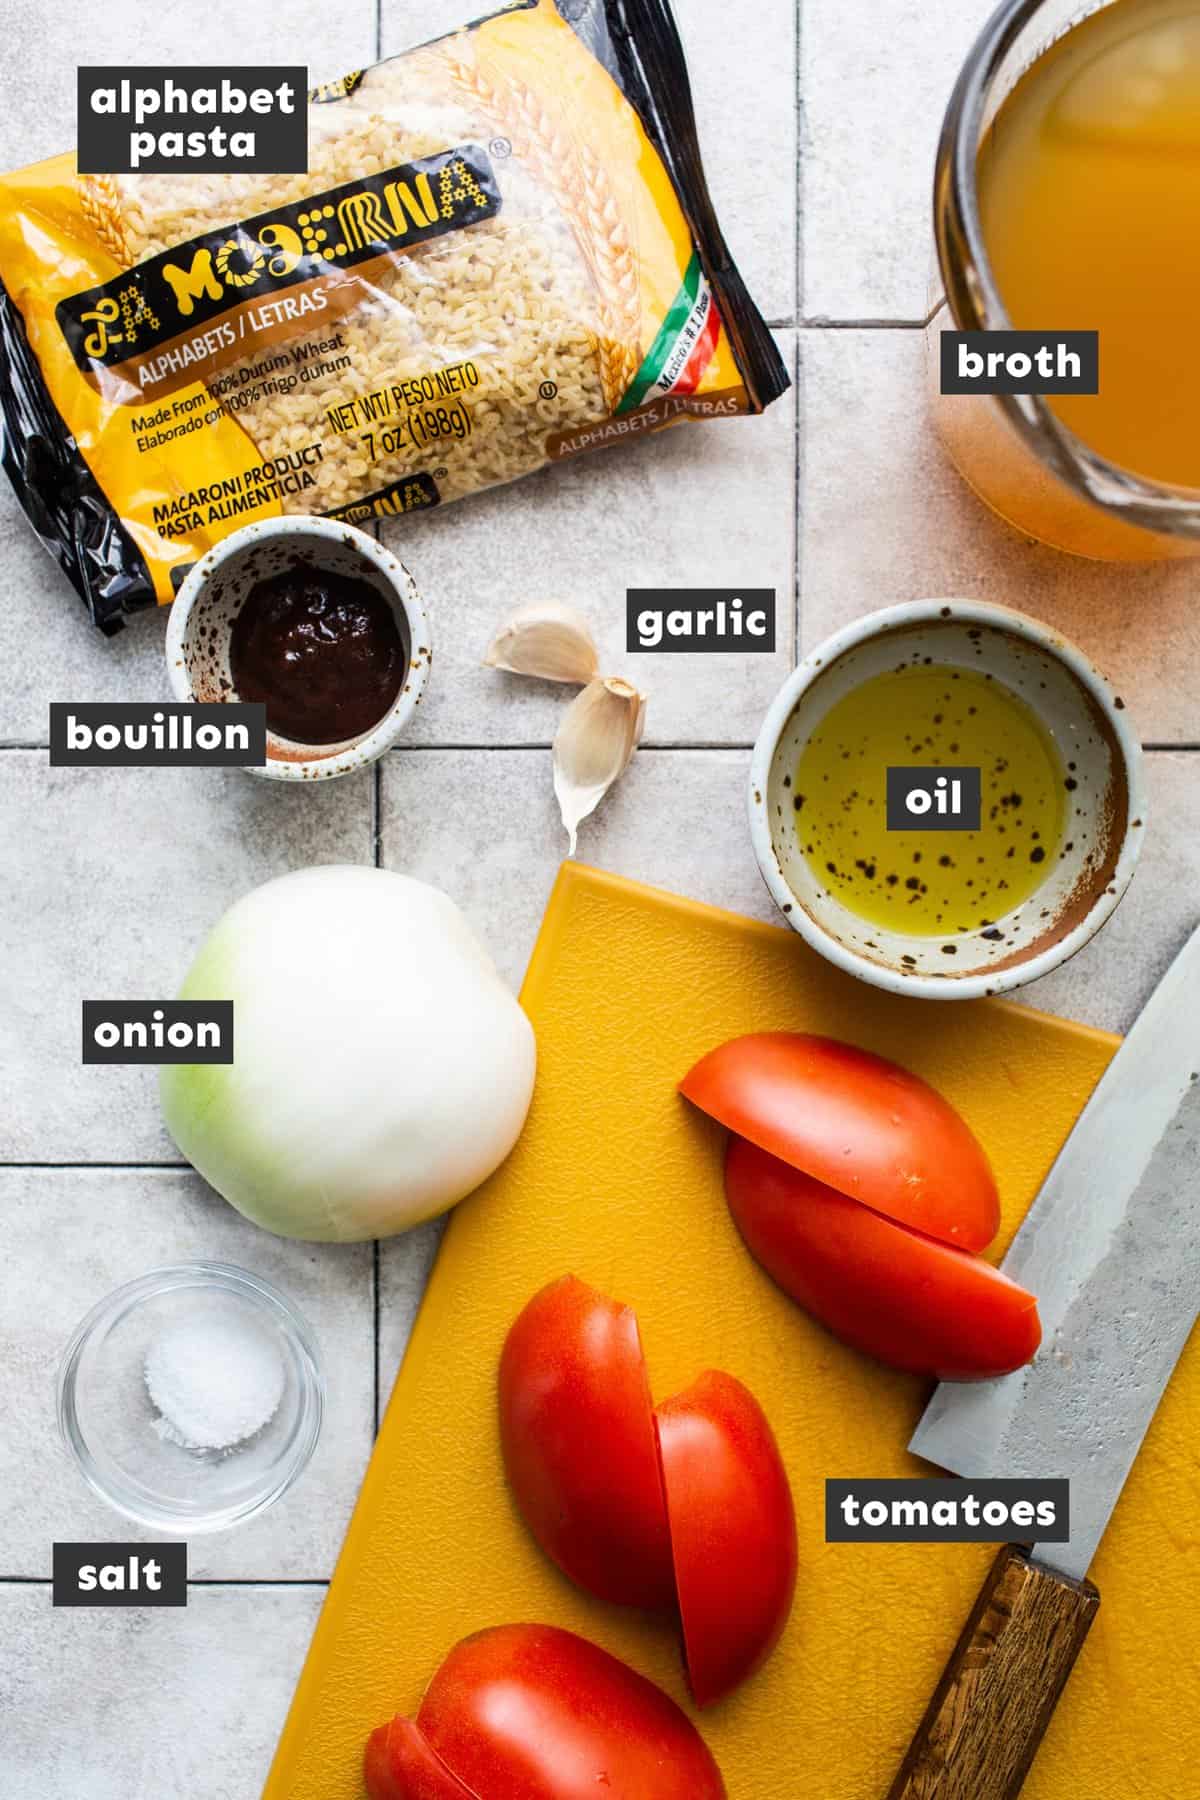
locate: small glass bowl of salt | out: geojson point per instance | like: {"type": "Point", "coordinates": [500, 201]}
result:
{"type": "Point", "coordinates": [192, 1397]}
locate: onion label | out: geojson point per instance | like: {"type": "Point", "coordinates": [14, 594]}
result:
{"type": "Point", "coordinates": [158, 1031]}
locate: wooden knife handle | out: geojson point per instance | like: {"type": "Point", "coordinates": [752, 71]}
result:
{"type": "Point", "coordinates": [999, 1689]}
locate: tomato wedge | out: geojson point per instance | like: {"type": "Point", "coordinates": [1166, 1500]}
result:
{"type": "Point", "coordinates": [530, 1712]}
{"type": "Point", "coordinates": [733, 1531]}
{"type": "Point", "coordinates": [399, 1765]}
{"type": "Point", "coordinates": [910, 1301]}
{"type": "Point", "coordinates": [577, 1433]}
{"type": "Point", "coordinates": [862, 1125]}
{"type": "Point", "coordinates": [686, 1506]}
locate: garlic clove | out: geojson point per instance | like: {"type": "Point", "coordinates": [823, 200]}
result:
{"type": "Point", "coordinates": [548, 639]}
{"type": "Point", "coordinates": [599, 733]}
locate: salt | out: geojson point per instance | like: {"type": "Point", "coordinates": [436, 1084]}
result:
{"type": "Point", "coordinates": [216, 1379]}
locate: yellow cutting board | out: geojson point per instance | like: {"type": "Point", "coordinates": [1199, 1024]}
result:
{"type": "Point", "coordinates": [618, 1180]}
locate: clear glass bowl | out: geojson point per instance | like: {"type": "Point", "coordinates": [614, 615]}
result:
{"type": "Point", "coordinates": [115, 1432]}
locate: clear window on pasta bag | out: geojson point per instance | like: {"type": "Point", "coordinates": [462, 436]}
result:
{"type": "Point", "coordinates": [503, 253]}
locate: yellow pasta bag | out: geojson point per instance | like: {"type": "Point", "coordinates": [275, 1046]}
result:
{"type": "Point", "coordinates": [502, 253]}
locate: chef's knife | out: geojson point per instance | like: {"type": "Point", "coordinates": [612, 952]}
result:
{"type": "Point", "coordinates": [1111, 1248]}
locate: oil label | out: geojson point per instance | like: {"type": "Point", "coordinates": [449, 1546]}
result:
{"type": "Point", "coordinates": [1020, 362]}
{"type": "Point", "coordinates": [932, 799]}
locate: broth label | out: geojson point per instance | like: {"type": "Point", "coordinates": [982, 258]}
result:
{"type": "Point", "coordinates": [1020, 362]}
{"type": "Point", "coordinates": [933, 799]}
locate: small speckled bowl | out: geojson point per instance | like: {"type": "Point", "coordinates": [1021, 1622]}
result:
{"type": "Point", "coordinates": [1091, 731]}
{"type": "Point", "coordinates": [215, 590]}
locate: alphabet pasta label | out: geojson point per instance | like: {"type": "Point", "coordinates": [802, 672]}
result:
{"type": "Point", "coordinates": [196, 119]}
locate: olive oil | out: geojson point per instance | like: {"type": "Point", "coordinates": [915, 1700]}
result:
{"type": "Point", "coordinates": [930, 883]}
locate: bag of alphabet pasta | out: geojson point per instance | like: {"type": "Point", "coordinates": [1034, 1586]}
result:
{"type": "Point", "coordinates": [503, 252]}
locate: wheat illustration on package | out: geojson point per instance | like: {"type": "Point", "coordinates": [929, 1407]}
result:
{"type": "Point", "coordinates": [503, 253]}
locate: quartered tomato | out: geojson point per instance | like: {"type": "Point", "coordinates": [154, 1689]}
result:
{"type": "Point", "coordinates": [864, 1126]}
{"type": "Point", "coordinates": [577, 1432]}
{"type": "Point", "coordinates": [910, 1301]}
{"type": "Point", "coordinates": [733, 1531]}
{"type": "Point", "coordinates": [529, 1712]}
{"type": "Point", "coordinates": [686, 1505]}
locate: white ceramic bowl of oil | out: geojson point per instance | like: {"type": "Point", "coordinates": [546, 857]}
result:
{"type": "Point", "coordinates": [191, 1399]}
{"type": "Point", "coordinates": [948, 914]}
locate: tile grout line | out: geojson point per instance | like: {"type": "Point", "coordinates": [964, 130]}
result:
{"type": "Point", "coordinates": [377, 855]}
{"type": "Point", "coordinates": [738, 748]}
{"type": "Point", "coordinates": [176, 1167]}
{"type": "Point", "coordinates": [799, 430]}
{"type": "Point", "coordinates": [798, 258]}
{"type": "Point", "coordinates": [232, 1581]}
{"type": "Point", "coordinates": [799, 466]}
{"type": "Point", "coordinates": [825, 324]}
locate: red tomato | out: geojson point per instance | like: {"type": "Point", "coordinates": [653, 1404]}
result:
{"type": "Point", "coordinates": [733, 1531]}
{"type": "Point", "coordinates": [399, 1765]}
{"type": "Point", "coordinates": [904, 1298]}
{"type": "Point", "coordinates": [577, 1432]}
{"type": "Point", "coordinates": [865, 1126]}
{"type": "Point", "coordinates": [529, 1712]}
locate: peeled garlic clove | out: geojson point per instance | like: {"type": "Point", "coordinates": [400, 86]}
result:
{"type": "Point", "coordinates": [546, 639]}
{"type": "Point", "coordinates": [599, 733]}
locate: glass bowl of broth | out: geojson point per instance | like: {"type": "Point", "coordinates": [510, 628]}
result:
{"type": "Point", "coordinates": [1064, 192]}
{"type": "Point", "coordinates": [947, 799]}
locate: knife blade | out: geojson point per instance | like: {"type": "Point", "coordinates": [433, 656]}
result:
{"type": "Point", "coordinates": [1111, 1248]}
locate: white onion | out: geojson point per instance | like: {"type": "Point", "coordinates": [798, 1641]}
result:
{"type": "Point", "coordinates": [382, 1069]}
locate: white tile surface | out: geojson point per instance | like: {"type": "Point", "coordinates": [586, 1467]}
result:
{"type": "Point", "coordinates": [484, 825]}
{"type": "Point", "coordinates": [112, 878]}
{"type": "Point", "coordinates": [98, 1228]}
{"type": "Point", "coordinates": [115, 876]}
{"type": "Point", "coordinates": [886, 517]}
{"type": "Point", "coordinates": [744, 87]}
{"type": "Point", "coordinates": [49, 648]}
{"type": "Point", "coordinates": [1111, 979]}
{"type": "Point", "coordinates": [707, 504]}
{"type": "Point", "coordinates": [129, 1704]}
{"type": "Point", "coordinates": [874, 80]}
